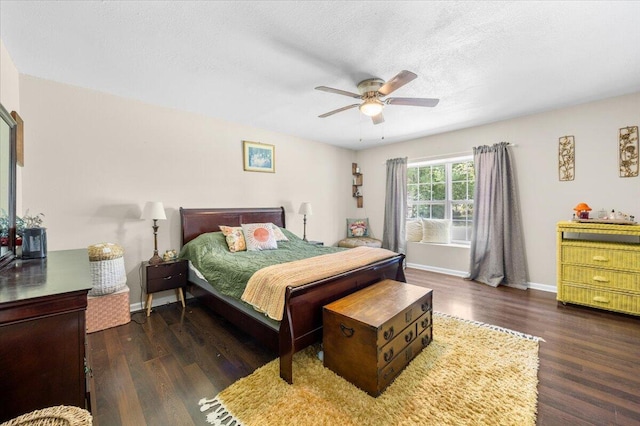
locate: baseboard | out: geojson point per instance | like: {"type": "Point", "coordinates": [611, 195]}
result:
{"type": "Point", "coordinates": [455, 273]}
{"type": "Point", "coordinates": [462, 274]}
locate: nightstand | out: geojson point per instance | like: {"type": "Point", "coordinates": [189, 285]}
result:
{"type": "Point", "coordinates": [164, 276]}
{"type": "Point", "coordinates": [316, 243]}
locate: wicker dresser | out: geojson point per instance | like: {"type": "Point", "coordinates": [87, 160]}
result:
{"type": "Point", "coordinates": [371, 335]}
{"type": "Point", "coordinates": [598, 273]}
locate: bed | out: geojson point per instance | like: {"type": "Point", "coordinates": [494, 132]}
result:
{"type": "Point", "coordinates": [301, 324]}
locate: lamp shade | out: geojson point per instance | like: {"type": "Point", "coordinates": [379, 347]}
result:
{"type": "Point", "coordinates": [305, 208]}
{"type": "Point", "coordinates": [153, 210]}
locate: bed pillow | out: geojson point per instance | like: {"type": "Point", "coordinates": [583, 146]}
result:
{"type": "Point", "coordinates": [278, 234]}
{"type": "Point", "coordinates": [358, 227]}
{"type": "Point", "coordinates": [414, 230]}
{"type": "Point", "coordinates": [235, 238]}
{"type": "Point", "coordinates": [436, 231]}
{"type": "Point", "coordinates": [259, 236]}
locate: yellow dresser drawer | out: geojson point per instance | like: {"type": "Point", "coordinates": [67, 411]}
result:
{"type": "Point", "coordinates": [598, 298]}
{"type": "Point", "coordinates": [614, 256]}
{"type": "Point", "coordinates": [605, 278]}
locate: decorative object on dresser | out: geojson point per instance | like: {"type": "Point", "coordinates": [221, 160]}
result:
{"type": "Point", "coordinates": [305, 209]}
{"type": "Point", "coordinates": [371, 335]}
{"type": "Point", "coordinates": [628, 155]}
{"type": "Point", "coordinates": [34, 236]}
{"type": "Point", "coordinates": [165, 276]}
{"type": "Point", "coordinates": [598, 265]}
{"type": "Point", "coordinates": [42, 330]}
{"type": "Point", "coordinates": [154, 210]}
{"type": "Point", "coordinates": [259, 157]}
{"type": "Point", "coordinates": [566, 158]}
{"type": "Point", "coordinates": [582, 210]}
{"type": "Point", "coordinates": [486, 360]}
{"type": "Point", "coordinates": [357, 183]}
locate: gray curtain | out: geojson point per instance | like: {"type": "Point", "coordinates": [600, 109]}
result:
{"type": "Point", "coordinates": [497, 244]}
{"type": "Point", "coordinates": [395, 206]}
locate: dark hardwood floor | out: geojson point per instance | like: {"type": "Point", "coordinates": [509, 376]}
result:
{"type": "Point", "coordinates": [156, 372]}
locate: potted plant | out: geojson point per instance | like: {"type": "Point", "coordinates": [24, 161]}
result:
{"type": "Point", "coordinates": [34, 236]}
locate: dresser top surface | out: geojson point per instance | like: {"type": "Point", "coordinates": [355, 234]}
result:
{"type": "Point", "coordinates": [60, 272]}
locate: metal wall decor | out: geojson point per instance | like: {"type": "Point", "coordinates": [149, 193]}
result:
{"type": "Point", "coordinates": [566, 158]}
{"type": "Point", "coordinates": [628, 155]}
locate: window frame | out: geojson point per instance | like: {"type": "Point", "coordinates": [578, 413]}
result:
{"type": "Point", "coordinates": [448, 202]}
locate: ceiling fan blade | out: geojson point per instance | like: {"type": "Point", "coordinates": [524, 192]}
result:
{"type": "Point", "coordinates": [335, 111]}
{"type": "Point", "coordinates": [402, 78]}
{"type": "Point", "coordinates": [377, 119]}
{"type": "Point", "coordinates": [423, 102]}
{"type": "Point", "coordinates": [339, 92]}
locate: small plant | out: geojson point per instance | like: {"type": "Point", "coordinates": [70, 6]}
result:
{"type": "Point", "coordinates": [34, 221]}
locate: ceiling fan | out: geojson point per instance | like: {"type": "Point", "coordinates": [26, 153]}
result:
{"type": "Point", "coordinates": [373, 90]}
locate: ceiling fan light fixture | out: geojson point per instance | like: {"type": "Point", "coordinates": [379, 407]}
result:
{"type": "Point", "coordinates": [371, 107]}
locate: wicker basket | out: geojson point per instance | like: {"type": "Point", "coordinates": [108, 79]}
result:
{"type": "Point", "coordinates": [61, 415]}
{"type": "Point", "coordinates": [108, 274]}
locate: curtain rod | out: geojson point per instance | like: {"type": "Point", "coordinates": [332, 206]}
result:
{"type": "Point", "coordinates": [442, 156]}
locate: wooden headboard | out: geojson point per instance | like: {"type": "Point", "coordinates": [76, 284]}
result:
{"type": "Point", "coordinates": [199, 221]}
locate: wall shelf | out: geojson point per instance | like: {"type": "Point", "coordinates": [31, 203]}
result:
{"type": "Point", "coordinates": [357, 183]}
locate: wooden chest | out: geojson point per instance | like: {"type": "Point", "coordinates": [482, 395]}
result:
{"type": "Point", "coordinates": [371, 335]}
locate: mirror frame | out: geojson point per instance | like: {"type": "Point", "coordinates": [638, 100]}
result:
{"type": "Point", "coordinates": [8, 257]}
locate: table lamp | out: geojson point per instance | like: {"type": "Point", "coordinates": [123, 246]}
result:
{"type": "Point", "coordinates": [305, 209]}
{"type": "Point", "coordinates": [154, 210]}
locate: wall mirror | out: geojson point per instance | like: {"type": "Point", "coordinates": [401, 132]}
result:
{"type": "Point", "coordinates": [7, 187]}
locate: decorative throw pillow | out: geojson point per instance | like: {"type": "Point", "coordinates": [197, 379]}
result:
{"type": "Point", "coordinates": [259, 236]}
{"type": "Point", "coordinates": [436, 231]}
{"type": "Point", "coordinates": [278, 234]}
{"type": "Point", "coordinates": [234, 237]}
{"type": "Point", "coordinates": [414, 230]}
{"type": "Point", "coordinates": [358, 227]}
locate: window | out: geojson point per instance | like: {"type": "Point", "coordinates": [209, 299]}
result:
{"type": "Point", "coordinates": [443, 189]}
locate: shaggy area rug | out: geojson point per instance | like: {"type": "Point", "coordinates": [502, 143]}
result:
{"type": "Point", "coordinates": [470, 374]}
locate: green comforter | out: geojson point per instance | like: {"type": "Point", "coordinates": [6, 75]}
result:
{"type": "Point", "coordinates": [229, 272]}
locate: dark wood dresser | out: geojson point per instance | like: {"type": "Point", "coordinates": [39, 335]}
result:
{"type": "Point", "coordinates": [371, 335]}
{"type": "Point", "coordinates": [42, 332]}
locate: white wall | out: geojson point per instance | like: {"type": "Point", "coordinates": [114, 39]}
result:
{"type": "Point", "coordinates": [544, 199]}
{"type": "Point", "coordinates": [92, 160]}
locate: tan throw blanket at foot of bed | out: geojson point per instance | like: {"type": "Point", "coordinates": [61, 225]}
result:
{"type": "Point", "coordinates": [267, 287]}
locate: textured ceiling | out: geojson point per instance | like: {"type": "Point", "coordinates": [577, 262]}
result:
{"type": "Point", "coordinates": [257, 62]}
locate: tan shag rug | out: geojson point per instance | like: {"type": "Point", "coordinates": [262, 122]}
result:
{"type": "Point", "coordinates": [470, 374]}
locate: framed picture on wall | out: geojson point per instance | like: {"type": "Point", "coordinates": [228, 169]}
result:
{"type": "Point", "coordinates": [259, 157]}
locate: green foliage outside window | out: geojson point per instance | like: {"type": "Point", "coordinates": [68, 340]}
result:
{"type": "Point", "coordinates": [443, 191]}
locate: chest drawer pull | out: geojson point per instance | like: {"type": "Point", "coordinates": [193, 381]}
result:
{"type": "Point", "coordinates": [407, 317]}
{"type": "Point", "coordinates": [600, 299]}
{"type": "Point", "coordinates": [388, 356]}
{"type": "Point", "coordinates": [408, 337]}
{"type": "Point", "coordinates": [425, 307]}
{"type": "Point", "coordinates": [168, 278]}
{"type": "Point", "coordinates": [600, 259]}
{"type": "Point", "coordinates": [388, 334]}
{"type": "Point", "coordinates": [425, 323]}
{"type": "Point", "coordinates": [600, 279]}
{"type": "Point", "coordinates": [347, 331]}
